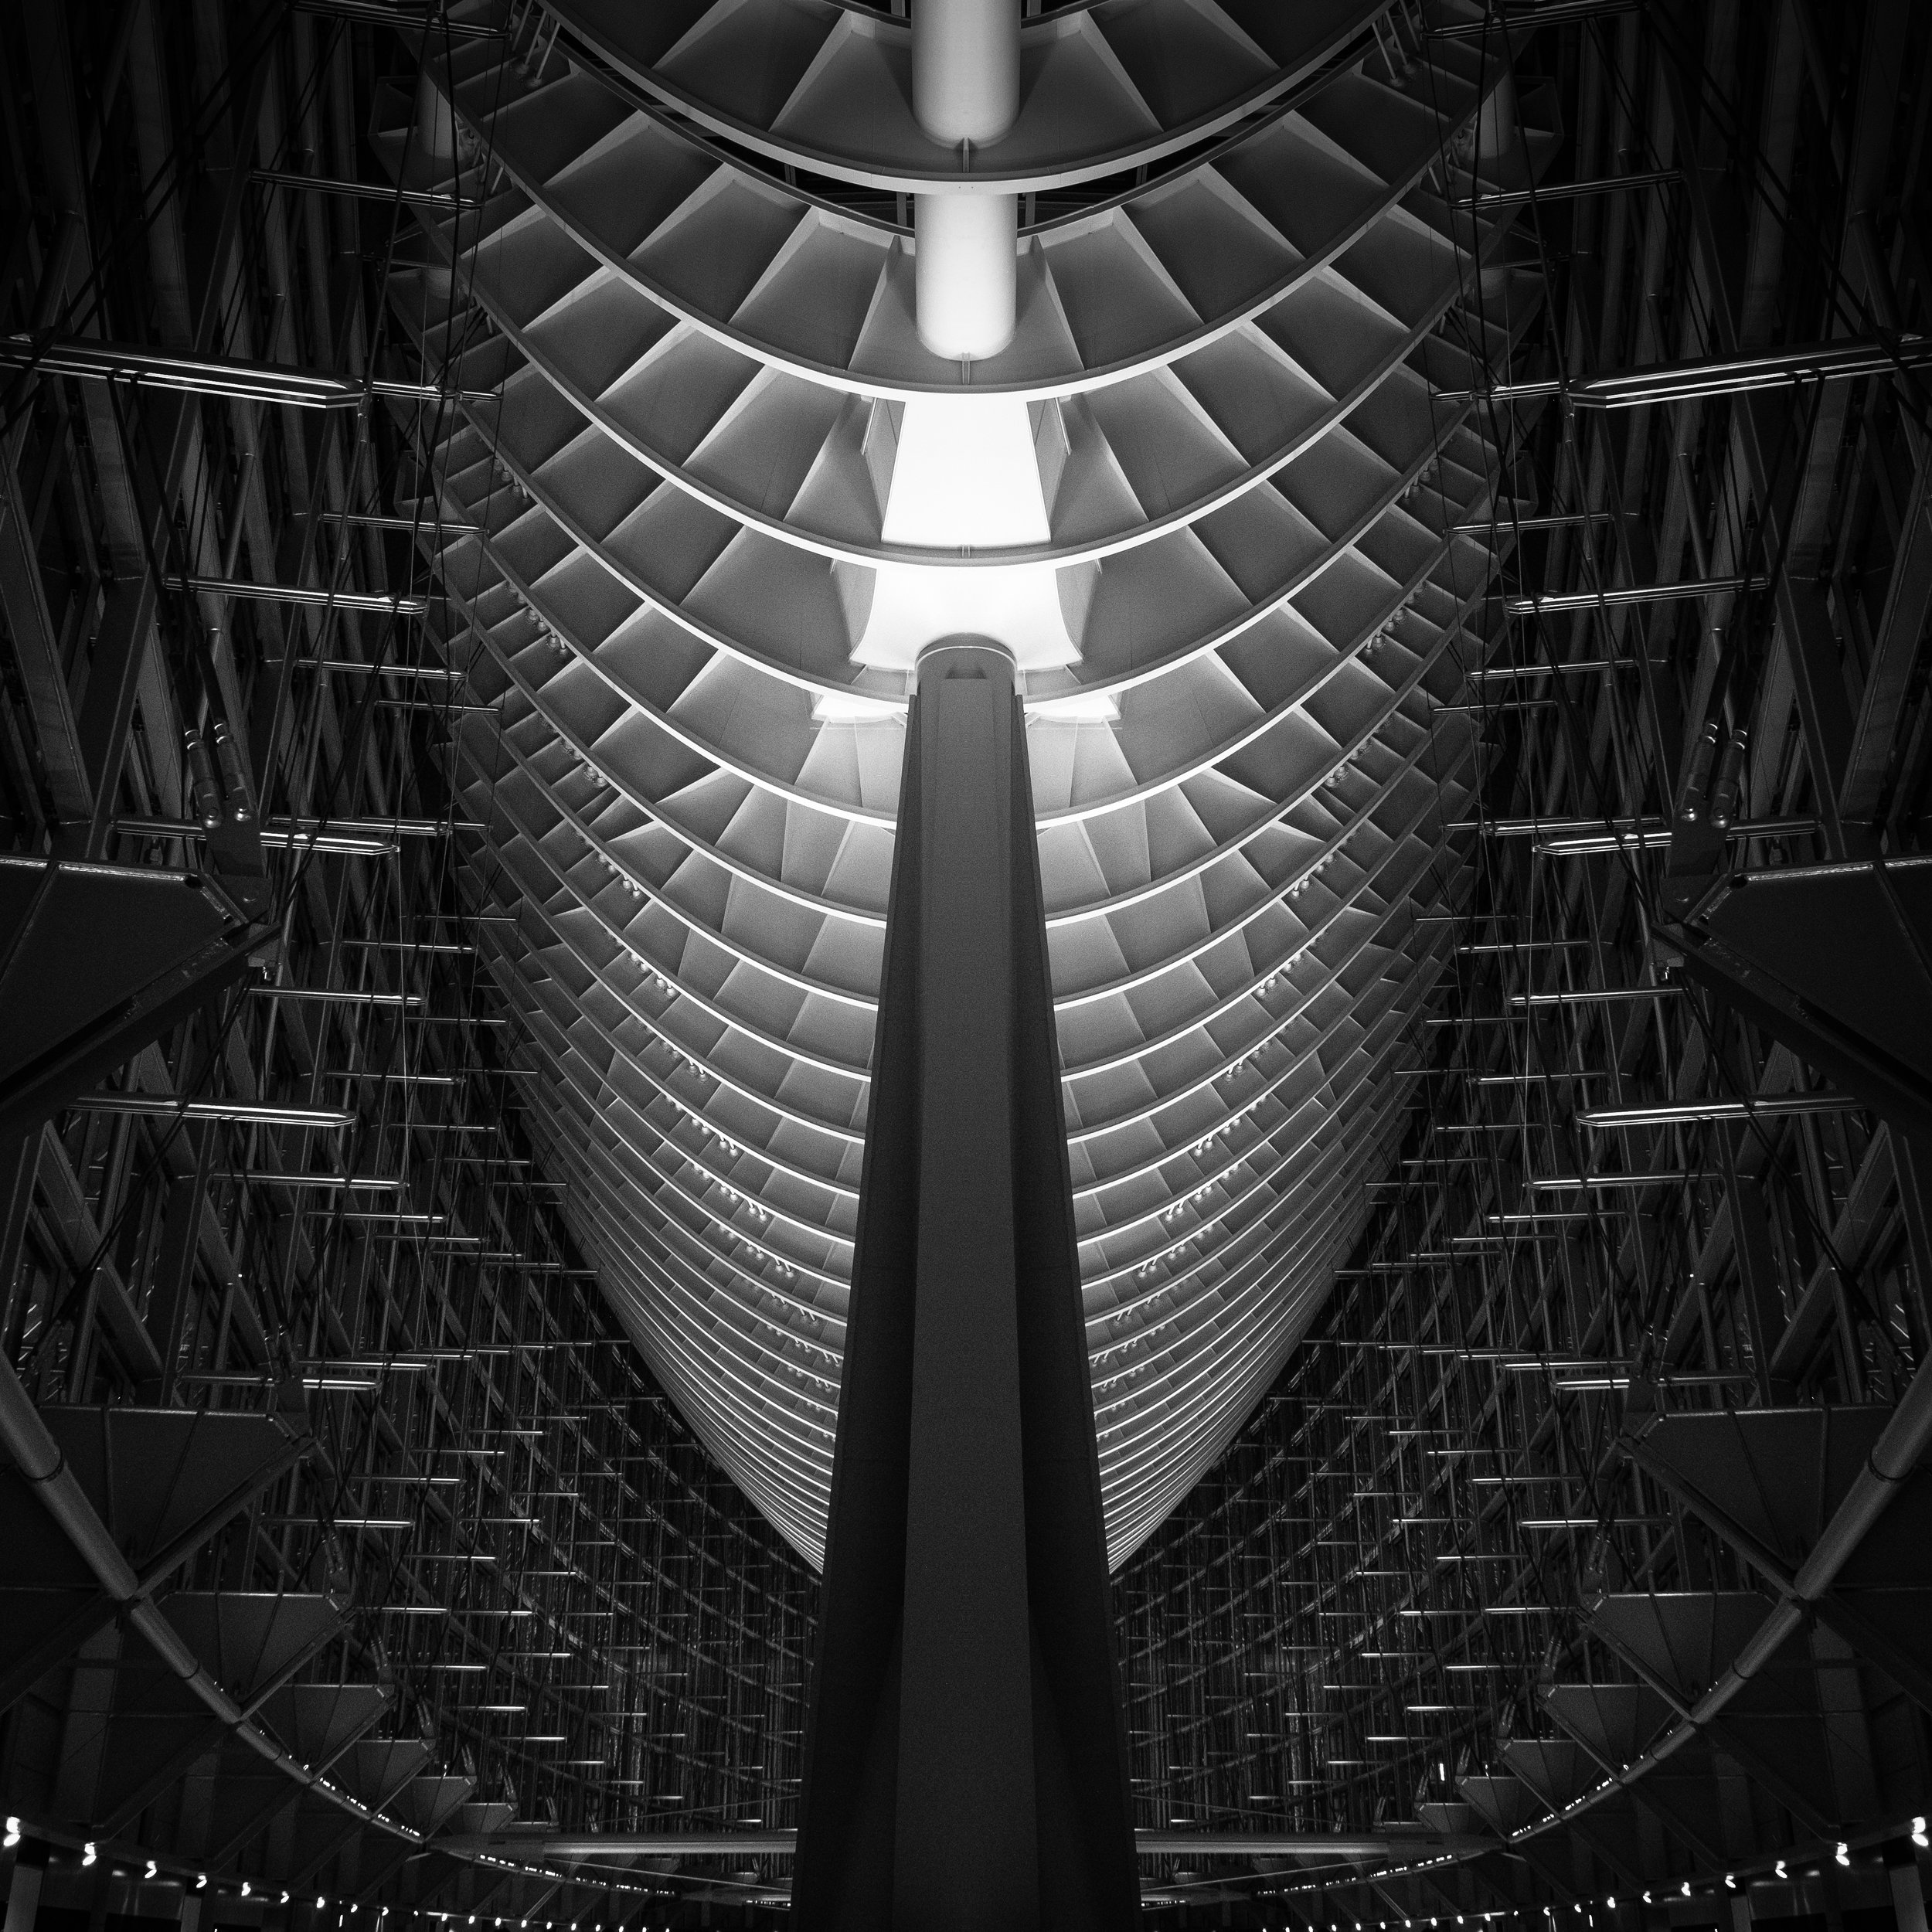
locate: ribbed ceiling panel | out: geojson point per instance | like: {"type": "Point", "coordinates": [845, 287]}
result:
{"type": "Point", "coordinates": [688, 382]}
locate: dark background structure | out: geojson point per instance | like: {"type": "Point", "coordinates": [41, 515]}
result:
{"type": "Point", "coordinates": [1576, 1569]}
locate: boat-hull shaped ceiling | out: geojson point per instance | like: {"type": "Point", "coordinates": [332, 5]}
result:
{"type": "Point", "coordinates": [1248, 582]}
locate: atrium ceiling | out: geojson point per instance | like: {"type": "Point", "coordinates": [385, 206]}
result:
{"type": "Point", "coordinates": [476, 484]}
{"type": "Point", "coordinates": [1224, 495]}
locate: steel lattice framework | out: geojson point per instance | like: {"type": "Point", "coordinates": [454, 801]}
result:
{"type": "Point", "coordinates": [680, 315]}
{"type": "Point", "coordinates": [1572, 1568]}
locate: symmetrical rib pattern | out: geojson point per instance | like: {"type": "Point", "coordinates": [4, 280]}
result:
{"type": "Point", "coordinates": [684, 377]}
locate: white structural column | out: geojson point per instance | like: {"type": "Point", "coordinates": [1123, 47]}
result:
{"type": "Point", "coordinates": [966, 92]}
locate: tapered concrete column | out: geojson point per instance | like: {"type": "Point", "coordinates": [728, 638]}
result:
{"type": "Point", "coordinates": [965, 1760]}
{"type": "Point", "coordinates": [965, 93]}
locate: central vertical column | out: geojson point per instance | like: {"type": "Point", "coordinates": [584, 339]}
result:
{"type": "Point", "coordinates": [965, 1751]}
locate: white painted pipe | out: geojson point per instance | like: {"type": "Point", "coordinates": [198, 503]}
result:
{"type": "Point", "coordinates": [965, 68]}
{"type": "Point", "coordinates": [965, 273]}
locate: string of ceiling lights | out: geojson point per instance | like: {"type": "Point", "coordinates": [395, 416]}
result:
{"type": "Point", "coordinates": [88, 1854]}
{"type": "Point", "coordinates": [1791, 1869]}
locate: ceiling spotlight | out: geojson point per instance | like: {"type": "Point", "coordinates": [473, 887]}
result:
{"type": "Point", "coordinates": [1843, 1853]}
{"type": "Point", "coordinates": [1686, 1888]}
{"type": "Point", "coordinates": [13, 1831]}
{"type": "Point", "coordinates": [319, 1902]}
{"type": "Point", "coordinates": [1918, 1832]}
{"type": "Point", "coordinates": [1781, 1871]}
{"type": "Point", "coordinates": [88, 1854]}
{"type": "Point", "coordinates": [244, 1890]}
{"type": "Point", "coordinates": [201, 1882]}
{"type": "Point", "coordinates": [1730, 1882]}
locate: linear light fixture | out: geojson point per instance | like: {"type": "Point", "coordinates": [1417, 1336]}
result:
{"type": "Point", "coordinates": [436, 673]}
{"type": "Point", "coordinates": [235, 378]}
{"type": "Point", "coordinates": [1595, 996]}
{"type": "Point", "coordinates": [1505, 673]}
{"type": "Point", "coordinates": [1534, 1217]}
{"type": "Point", "coordinates": [1567, 190]}
{"type": "Point", "coordinates": [1696, 1378]}
{"type": "Point", "coordinates": [1702, 377]}
{"type": "Point", "coordinates": [397, 1079]}
{"type": "Point", "coordinates": [365, 190]}
{"type": "Point", "coordinates": [275, 838]}
{"type": "Point", "coordinates": [431, 520]}
{"type": "Point", "coordinates": [384, 1217]}
{"type": "Point", "coordinates": [241, 1113]}
{"type": "Point", "coordinates": [1561, 1183]}
{"type": "Point", "coordinates": [1623, 593]}
{"type": "Point", "coordinates": [1784, 368]}
{"type": "Point", "coordinates": [242, 1379]}
{"type": "Point", "coordinates": [338, 995]}
{"type": "Point", "coordinates": [311, 595]}
{"type": "Point", "coordinates": [173, 369]}
{"type": "Point", "coordinates": [1688, 1113]}
{"type": "Point", "coordinates": [356, 1183]}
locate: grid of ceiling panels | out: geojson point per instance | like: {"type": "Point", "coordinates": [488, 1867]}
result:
{"type": "Point", "coordinates": [662, 508]}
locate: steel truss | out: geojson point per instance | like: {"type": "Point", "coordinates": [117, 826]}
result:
{"type": "Point", "coordinates": [340, 1518]}
{"type": "Point", "coordinates": [1588, 1523]}
{"type": "Point", "coordinates": [1582, 1518]}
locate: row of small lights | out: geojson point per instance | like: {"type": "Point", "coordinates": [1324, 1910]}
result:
{"type": "Point", "coordinates": [90, 1854]}
{"type": "Point", "coordinates": [1841, 1856]}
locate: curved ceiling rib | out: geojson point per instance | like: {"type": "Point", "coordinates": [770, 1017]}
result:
{"type": "Point", "coordinates": [677, 577]}
{"type": "Point", "coordinates": [1106, 85]}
